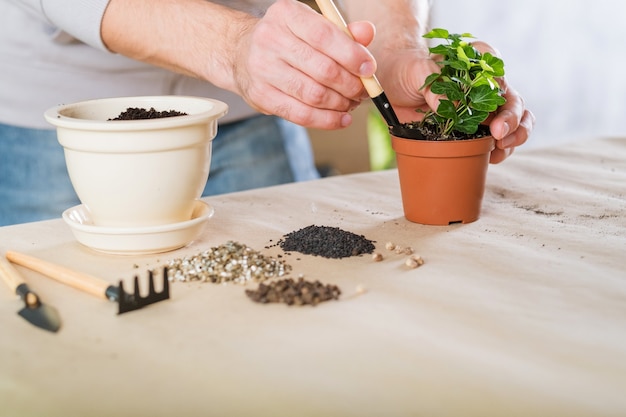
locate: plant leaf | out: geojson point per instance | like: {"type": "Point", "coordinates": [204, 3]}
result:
{"type": "Point", "coordinates": [439, 50]}
{"type": "Point", "coordinates": [484, 98]}
{"type": "Point", "coordinates": [458, 64]}
{"type": "Point", "coordinates": [437, 33]}
{"type": "Point", "coordinates": [450, 89]}
{"type": "Point", "coordinates": [462, 56]}
{"type": "Point", "coordinates": [485, 66]}
{"type": "Point", "coordinates": [486, 79]}
{"type": "Point", "coordinates": [496, 64]}
{"type": "Point", "coordinates": [468, 123]}
{"type": "Point", "coordinates": [447, 110]}
{"type": "Point", "coordinates": [471, 52]}
{"type": "Point", "coordinates": [430, 79]}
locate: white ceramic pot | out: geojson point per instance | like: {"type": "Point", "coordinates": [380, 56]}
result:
{"type": "Point", "coordinates": [138, 173]}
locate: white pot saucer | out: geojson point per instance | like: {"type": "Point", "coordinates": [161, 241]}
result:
{"type": "Point", "coordinates": [137, 240]}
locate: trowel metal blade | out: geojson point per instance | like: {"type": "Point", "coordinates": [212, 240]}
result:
{"type": "Point", "coordinates": [405, 132]}
{"type": "Point", "coordinates": [42, 316]}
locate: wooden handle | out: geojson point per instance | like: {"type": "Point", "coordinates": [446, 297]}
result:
{"type": "Point", "coordinates": [78, 280]}
{"type": "Point", "coordinates": [10, 275]}
{"type": "Point", "coordinates": [330, 11]}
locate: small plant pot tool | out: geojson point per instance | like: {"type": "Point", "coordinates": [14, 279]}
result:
{"type": "Point", "coordinates": [402, 131]}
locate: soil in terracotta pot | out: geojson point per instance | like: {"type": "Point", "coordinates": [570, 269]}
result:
{"type": "Point", "coordinates": [413, 130]}
{"type": "Point", "coordinates": [137, 113]}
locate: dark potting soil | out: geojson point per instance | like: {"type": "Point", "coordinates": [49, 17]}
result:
{"type": "Point", "coordinates": [328, 242]}
{"type": "Point", "coordinates": [137, 113]}
{"type": "Point", "coordinates": [294, 292]}
{"type": "Point", "coordinates": [414, 130]}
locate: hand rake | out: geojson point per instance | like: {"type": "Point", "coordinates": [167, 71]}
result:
{"type": "Point", "coordinates": [96, 286]}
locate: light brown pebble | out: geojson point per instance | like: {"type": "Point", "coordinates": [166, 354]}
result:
{"type": "Point", "coordinates": [377, 257]}
{"type": "Point", "coordinates": [414, 261]}
{"type": "Point", "coordinates": [408, 250]}
{"type": "Point", "coordinates": [411, 263]}
{"type": "Point", "coordinates": [390, 246]}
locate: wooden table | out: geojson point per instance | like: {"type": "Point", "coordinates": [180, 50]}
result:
{"type": "Point", "coordinates": [522, 313]}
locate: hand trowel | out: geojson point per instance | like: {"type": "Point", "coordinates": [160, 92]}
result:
{"type": "Point", "coordinates": [34, 311]}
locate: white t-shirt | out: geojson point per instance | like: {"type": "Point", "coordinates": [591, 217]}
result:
{"type": "Point", "coordinates": [51, 53]}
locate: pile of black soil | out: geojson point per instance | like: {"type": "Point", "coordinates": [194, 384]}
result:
{"type": "Point", "coordinates": [137, 113]}
{"type": "Point", "coordinates": [328, 242]}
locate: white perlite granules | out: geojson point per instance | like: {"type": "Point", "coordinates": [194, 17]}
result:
{"type": "Point", "coordinates": [230, 262]}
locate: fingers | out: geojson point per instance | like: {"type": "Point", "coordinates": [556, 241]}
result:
{"type": "Point", "coordinates": [517, 137]}
{"type": "Point", "coordinates": [275, 101]}
{"type": "Point", "coordinates": [298, 65]}
{"type": "Point", "coordinates": [331, 57]}
{"type": "Point", "coordinates": [362, 32]}
{"type": "Point", "coordinates": [499, 155]}
{"type": "Point", "coordinates": [310, 77]}
{"type": "Point", "coordinates": [513, 123]}
{"type": "Point", "coordinates": [291, 109]}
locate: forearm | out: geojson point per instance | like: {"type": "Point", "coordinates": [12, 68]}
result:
{"type": "Point", "coordinates": [193, 37]}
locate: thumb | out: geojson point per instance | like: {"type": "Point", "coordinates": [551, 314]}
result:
{"type": "Point", "coordinates": [362, 32]}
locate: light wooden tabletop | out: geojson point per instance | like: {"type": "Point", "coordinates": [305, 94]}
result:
{"type": "Point", "coordinates": [521, 313]}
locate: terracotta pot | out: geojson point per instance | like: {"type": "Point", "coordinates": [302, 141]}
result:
{"type": "Point", "coordinates": [442, 182]}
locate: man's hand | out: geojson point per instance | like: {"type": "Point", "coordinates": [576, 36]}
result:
{"type": "Point", "coordinates": [296, 64]}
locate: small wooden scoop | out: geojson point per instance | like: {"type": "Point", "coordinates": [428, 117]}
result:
{"type": "Point", "coordinates": [96, 286]}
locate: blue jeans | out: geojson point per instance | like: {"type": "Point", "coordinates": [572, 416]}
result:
{"type": "Point", "coordinates": [256, 152]}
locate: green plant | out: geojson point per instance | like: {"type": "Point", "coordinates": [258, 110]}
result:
{"type": "Point", "coordinates": [468, 81]}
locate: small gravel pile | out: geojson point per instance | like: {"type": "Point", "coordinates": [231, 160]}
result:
{"type": "Point", "coordinates": [136, 113]}
{"type": "Point", "coordinates": [294, 292]}
{"type": "Point", "coordinates": [325, 241]}
{"type": "Point", "coordinates": [230, 262]}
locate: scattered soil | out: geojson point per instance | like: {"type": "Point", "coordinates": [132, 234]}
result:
{"type": "Point", "coordinates": [137, 113]}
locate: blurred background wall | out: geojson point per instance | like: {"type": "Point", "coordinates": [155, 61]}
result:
{"type": "Point", "coordinates": [566, 58]}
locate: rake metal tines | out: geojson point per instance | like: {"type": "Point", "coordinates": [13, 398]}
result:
{"type": "Point", "coordinates": [130, 302]}
{"type": "Point", "coordinates": [96, 286]}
